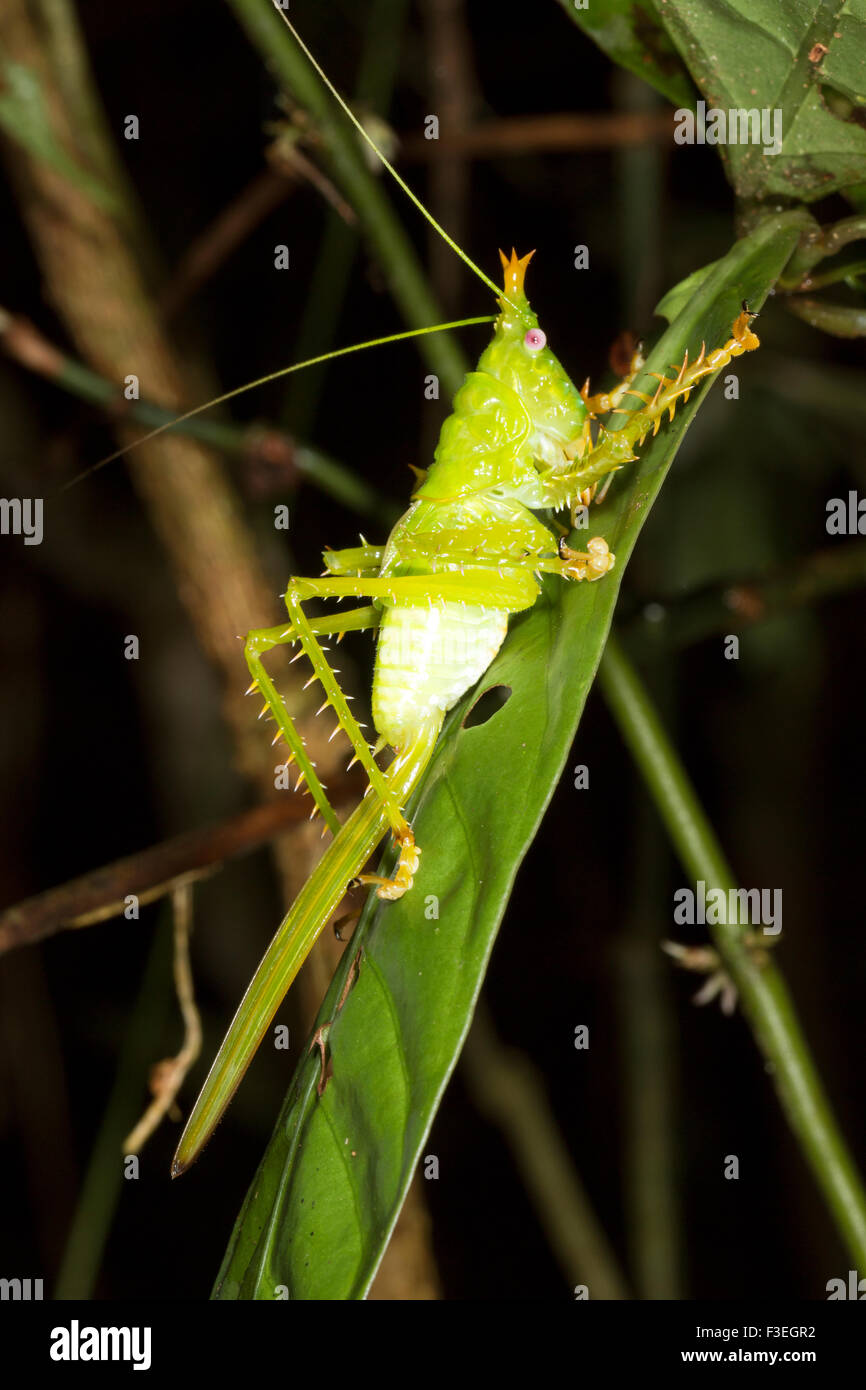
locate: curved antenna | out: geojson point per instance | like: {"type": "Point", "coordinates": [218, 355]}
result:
{"type": "Point", "coordinates": [272, 376]}
{"type": "Point", "coordinates": [365, 135]}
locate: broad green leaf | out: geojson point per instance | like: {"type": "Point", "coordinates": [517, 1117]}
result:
{"type": "Point", "coordinates": [324, 1201]}
{"type": "Point", "coordinates": [801, 61]}
{"type": "Point", "coordinates": [678, 297]}
{"type": "Point", "coordinates": [843, 66]}
{"type": "Point", "coordinates": [24, 116]}
{"type": "Point", "coordinates": [632, 34]}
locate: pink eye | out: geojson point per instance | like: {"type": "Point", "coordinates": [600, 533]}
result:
{"type": "Point", "coordinates": [535, 340]}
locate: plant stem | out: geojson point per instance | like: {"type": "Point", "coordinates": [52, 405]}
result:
{"type": "Point", "coordinates": [766, 1002]}
{"type": "Point", "coordinates": [820, 245]}
{"type": "Point", "coordinates": [377, 73]}
{"type": "Point", "coordinates": [384, 230]}
{"type": "Point", "coordinates": [25, 344]}
{"type": "Point", "coordinates": [840, 320]}
{"type": "Point", "coordinates": [102, 1188]}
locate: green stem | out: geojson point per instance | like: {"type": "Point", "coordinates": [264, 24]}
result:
{"type": "Point", "coordinates": [840, 320]}
{"type": "Point", "coordinates": [377, 72]}
{"type": "Point", "coordinates": [324, 472]}
{"type": "Point", "coordinates": [819, 246]}
{"type": "Point", "coordinates": [102, 1187]}
{"type": "Point", "coordinates": [766, 1002]}
{"type": "Point", "coordinates": [843, 271]}
{"type": "Point", "coordinates": [385, 233]}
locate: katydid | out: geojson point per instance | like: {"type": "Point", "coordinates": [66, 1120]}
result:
{"type": "Point", "coordinates": [522, 442]}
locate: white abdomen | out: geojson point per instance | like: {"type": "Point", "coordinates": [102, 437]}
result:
{"type": "Point", "coordinates": [427, 658]}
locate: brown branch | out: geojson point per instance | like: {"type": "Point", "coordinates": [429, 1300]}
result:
{"type": "Point", "coordinates": [231, 227]}
{"type": "Point", "coordinates": [100, 294]}
{"type": "Point", "coordinates": [454, 94]}
{"type": "Point", "coordinates": [531, 134]}
{"type": "Point", "coordinates": [153, 872]}
{"type": "Point", "coordinates": [292, 164]}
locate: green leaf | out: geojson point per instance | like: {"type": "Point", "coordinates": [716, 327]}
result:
{"type": "Point", "coordinates": [24, 116]}
{"type": "Point", "coordinates": [632, 34]}
{"type": "Point", "coordinates": [326, 1196]}
{"type": "Point", "coordinates": [843, 66]}
{"type": "Point", "coordinates": [677, 298]}
{"type": "Point", "coordinates": [804, 61]}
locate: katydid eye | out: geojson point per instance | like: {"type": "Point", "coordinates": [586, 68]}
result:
{"type": "Point", "coordinates": [535, 340]}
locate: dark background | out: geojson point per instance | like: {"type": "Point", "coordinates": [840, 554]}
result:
{"type": "Point", "coordinates": [102, 757]}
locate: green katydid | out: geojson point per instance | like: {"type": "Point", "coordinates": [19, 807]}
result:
{"type": "Point", "coordinates": [466, 555]}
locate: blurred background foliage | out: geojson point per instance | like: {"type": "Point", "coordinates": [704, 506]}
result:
{"type": "Point", "coordinates": [103, 756]}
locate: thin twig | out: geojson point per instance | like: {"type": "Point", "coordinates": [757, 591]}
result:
{"type": "Point", "coordinates": [103, 299]}
{"type": "Point", "coordinates": [651, 1161]}
{"type": "Point", "coordinates": [378, 66]}
{"type": "Point", "coordinates": [229, 229]}
{"type": "Point", "coordinates": [167, 1076]}
{"type": "Point", "coordinates": [453, 89]}
{"type": "Point", "coordinates": [386, 234]}
{"type": "Point", "coordinates": [536, 134]}
{"type": "Point", "coordinates": [151, 873]}
{"type": "Point", "coordinates": [292, 164]}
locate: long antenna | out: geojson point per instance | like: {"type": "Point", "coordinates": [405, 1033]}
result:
{"type": "Point", "coordinates": [365, 135]}
{"type": "Point", "coordinates": [272, 376]}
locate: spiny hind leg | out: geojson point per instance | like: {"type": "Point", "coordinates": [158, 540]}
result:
{"type": "Point", "coordinates": [417, 753]}
{"type": "Point", "coordinates": [511, 592]}
{"type": "Point", "coordinates": [379, 785]}
{"type": "Point", "coordinates": [262, 640]}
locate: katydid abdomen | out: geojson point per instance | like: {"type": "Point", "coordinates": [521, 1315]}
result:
{"type": "Point", "coordinates": [427, 658]}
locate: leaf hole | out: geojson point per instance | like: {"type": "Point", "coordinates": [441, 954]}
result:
{"type": "Point", "coordinates": [489, 702]}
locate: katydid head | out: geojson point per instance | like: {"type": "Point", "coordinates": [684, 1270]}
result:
{"type": "Point", "coordinates": [519, 356]}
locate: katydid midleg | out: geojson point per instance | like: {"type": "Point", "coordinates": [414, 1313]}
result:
{"type": "Point", "coordinates": [522, 442]}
